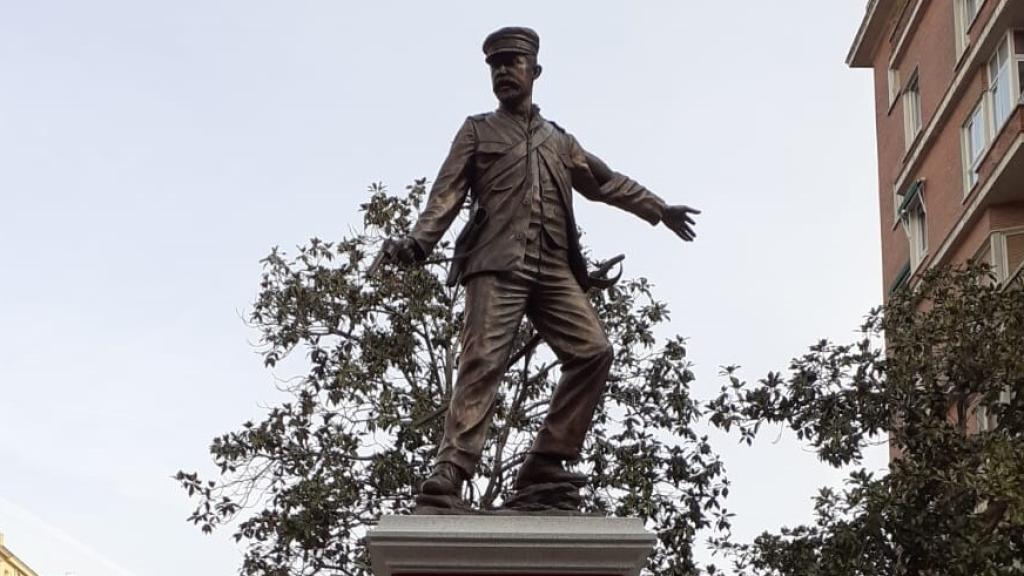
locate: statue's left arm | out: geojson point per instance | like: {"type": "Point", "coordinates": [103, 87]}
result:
{"type": "Point", "coordinates": [596, 181]}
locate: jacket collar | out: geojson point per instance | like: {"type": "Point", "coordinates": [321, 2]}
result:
{"type": "Point", "coordinates": [536, 120]}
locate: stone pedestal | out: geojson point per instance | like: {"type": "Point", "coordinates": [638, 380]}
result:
{"type": "Point", "coordinates": [508, 546]}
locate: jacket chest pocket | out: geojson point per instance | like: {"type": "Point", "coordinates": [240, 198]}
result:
{"type": "Point", "coordinates": [488, 153]}
{"type": "Point", "coordinates": [494, 165]}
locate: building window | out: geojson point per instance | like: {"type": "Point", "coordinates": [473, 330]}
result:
{"type": "Point", "coordinates": [897, 201]}
{"type": "Point", "coordinates": [975, 139]}
{"type": "Point", "coordinates": [894, 86]}
{"type": "Point", "coordinates": [914, 220]}
{"type": "Point", "coordinates": [1014, 254]}
{"type": "Point", "coordinates": [1005, 70]}
{"type": "Point", "coordinates": [1018, 56]}
{"type": "Point", "coordinates": [1004, 252]}
{"type": "Point", "coordinates": [966, 13]}
{"type": "Point", "coordinates": [918, 235]}
{"type": "Point", "coordinates": [912, 110]}
{"type": "Point", "coordinates": [901, 279]}
{"type": "Point", "coordinates": [1000, 86]}
{"type": "Point", "coordinates": [987, 420]}
{"type": "Point", "coordinates": [1007, 253]}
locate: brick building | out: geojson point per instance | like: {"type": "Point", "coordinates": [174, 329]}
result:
{"type": "Point", "coordinates": [950, 128]}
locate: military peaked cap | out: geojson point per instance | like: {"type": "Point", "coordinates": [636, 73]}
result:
{"type": "Point", "coordinates": [512, 39]}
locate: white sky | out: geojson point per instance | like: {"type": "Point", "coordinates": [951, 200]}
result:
{"type": "Point", "coordinates": [151, 153]}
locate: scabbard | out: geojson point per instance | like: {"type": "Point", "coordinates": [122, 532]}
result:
{"type": "Point", "coordinates": [466, 242]}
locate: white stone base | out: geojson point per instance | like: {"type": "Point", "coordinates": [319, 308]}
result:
{"type": "Point", "coordinates": [520, 545]}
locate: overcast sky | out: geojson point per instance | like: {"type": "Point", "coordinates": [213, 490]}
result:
{"type": "Point", "coordinates": [151, 153]}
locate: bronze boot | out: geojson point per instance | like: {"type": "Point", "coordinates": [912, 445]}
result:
{"type": "Point", "coordinates": [541, 469]}
{"type": "Point", "coordinates": [446, 480]}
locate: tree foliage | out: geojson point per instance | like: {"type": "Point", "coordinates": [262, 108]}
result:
{"type": "Point", "coordinates": [377, 358]}
{"type": "Point", "coordinates": [952, 502]}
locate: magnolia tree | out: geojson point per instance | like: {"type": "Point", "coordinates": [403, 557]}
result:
{"type": "Point", "coordinates": [376, 358]}
{"type": "Point", "coordinates": [946, 391]}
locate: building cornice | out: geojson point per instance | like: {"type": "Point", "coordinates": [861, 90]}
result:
{"type": "Point", "coordinates": [870, 33]}
{"type": "Point", "coordinates": [9, 557]}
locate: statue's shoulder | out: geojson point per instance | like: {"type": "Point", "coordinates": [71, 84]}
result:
{"type": "Point", "coordinates": [482, 123]}
{"type": "Point", "coordinates": [561, 139]}
{"type": "Point", "coordinates": [556, 126]}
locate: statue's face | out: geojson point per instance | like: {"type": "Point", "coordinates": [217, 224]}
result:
{"type": "Point", "coordinates": [512, 76]}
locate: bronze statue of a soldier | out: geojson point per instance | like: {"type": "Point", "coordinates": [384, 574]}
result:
{"type": "Point", "coordinates": [520, 254]}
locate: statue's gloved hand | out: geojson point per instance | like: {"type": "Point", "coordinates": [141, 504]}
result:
{"type": "Point", "coordinates": [403, 250]}
{"type": "Point", "coordinates": [678, 220]}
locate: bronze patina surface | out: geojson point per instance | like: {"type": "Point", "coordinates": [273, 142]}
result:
{"type": "Point", "coordinates": [520, 255]}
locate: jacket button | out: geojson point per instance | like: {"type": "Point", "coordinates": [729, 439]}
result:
{"type": "Point", "coordinates": [517, 236]}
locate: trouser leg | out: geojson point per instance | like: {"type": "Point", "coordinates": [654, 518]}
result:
{"type": "Point", "coordinates": [561, 312]}
{"type": "Point", "coordinates": [494, 308]}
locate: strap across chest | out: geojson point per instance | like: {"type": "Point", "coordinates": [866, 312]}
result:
{"type": "Point", "coordinates": [512, 155]}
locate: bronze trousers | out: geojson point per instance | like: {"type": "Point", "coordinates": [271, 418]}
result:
{"type": "Point", "coordinates": [545, 290]}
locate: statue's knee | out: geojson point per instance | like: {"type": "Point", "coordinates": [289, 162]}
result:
{"type": "Point", "coordinates": [477, 371]}
{"type": "Point", "coordinates": [605, 354]}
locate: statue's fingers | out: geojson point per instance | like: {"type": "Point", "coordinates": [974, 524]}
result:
{"type": "Point", "coordinates": [684, 233]}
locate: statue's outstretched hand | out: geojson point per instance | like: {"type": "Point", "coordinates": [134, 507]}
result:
{"type": "Point", "coordinates": [678, 219]}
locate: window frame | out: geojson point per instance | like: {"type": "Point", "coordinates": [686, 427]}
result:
{"type": "Point", "coordinates": [895, 89]}
{"type": "Point", "coordinates": [1017, 64]}
{"type": "Point", "coordinates": [992, 103]}
{"type": "Point", "coordinates": [918, 235]}
{"type": "Point", "coordinates": [913, 116]}
{"type": "Point", "coordinates": [995, 252]}
{"type": "Point", "coordinates": [902, 277]}
{"type": "Point", "coordinates": [989, 422]}
{"type": "Point", "coordinates": [980, 112]}
{"type": "Point", "coordinates": [914, 218]}
{"type": "Point", "coordinates": [1001, 253]}
{"type": "Point", "coordinates": [992, 83]}
{"type": "Point", "coordinates": [964, 20]}
{"type": "Point", "coordinates": [897, 201]}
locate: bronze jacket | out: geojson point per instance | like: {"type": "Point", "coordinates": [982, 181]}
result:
{"type": "Point", "coordinates": [491, 158]}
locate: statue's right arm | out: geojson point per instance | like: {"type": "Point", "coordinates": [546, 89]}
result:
{"type": "Point", "coordinates": [448, 192]}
